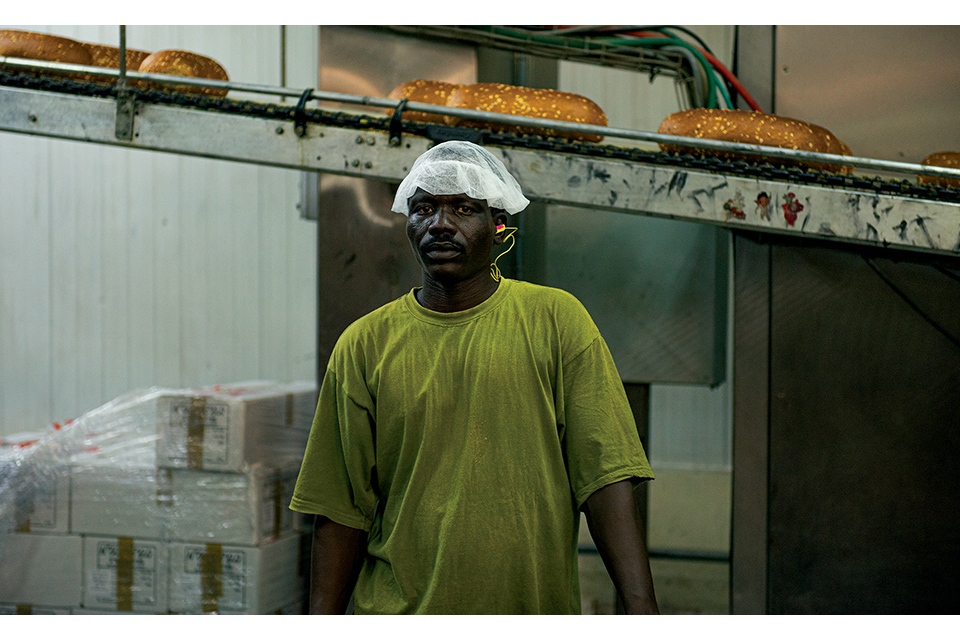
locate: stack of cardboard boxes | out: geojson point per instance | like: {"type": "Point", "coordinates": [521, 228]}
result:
{"type": "Point", "coordinates": [161, 502]}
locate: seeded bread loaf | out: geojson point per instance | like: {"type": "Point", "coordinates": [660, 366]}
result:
{"type": "Point", "coordinates": [185, 64]}
{"type": "Point", "coordinates": [109, 57]}
{"type": "Point", "coordinates": [525, 101]}
{"type": "Point", "coordinates": [43, 46]}
{"type": "Point", "coordinates": [752, 127]}
{"type": "Point", "coordinates": [949, 159]}
{"type": "Point", "coordinates": [425, 91]}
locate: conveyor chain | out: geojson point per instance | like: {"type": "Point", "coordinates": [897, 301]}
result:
{"type": "Point", "coordinates": [758, 170]}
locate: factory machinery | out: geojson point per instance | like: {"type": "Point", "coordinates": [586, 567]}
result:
{"type": "Point", "coordinates": [763, 196]}
{"type": "Point", "coordinates": [844, 387]}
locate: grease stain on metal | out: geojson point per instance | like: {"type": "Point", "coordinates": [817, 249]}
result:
{"type": "Point", "coordinates": [710, 192]}
{"type": "Point", "coordinates": [901, 229]}
{"type": "Point", "coordinates": [677, 182]}
{"type": "Point", "coordinates": [923, 227]}
{"type": "Point", "coordinates": [599, 174]}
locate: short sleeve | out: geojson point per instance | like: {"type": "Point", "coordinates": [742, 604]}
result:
{"type": "Point", "coordinates": [337, 477]}
{"type": "Point", "coordinates": [600, 438]}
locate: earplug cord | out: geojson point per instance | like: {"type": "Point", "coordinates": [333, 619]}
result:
{"type": "Point", "coordinates": [494, 269]}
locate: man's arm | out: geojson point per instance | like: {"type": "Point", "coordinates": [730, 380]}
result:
{"type": "Point", "coordinates": [615, 525]}
{"type": "Point", "coordinates": [335, 559]}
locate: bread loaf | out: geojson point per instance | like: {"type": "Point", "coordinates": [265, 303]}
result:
{"type": "Point", "coordinates": [525, 101]}
{"type": "Point", "coordinates": [43, 46]}
{"type": "Point", "coordinates": [185, 64]}
{"type": "Point", "coordinates": [109, 57]}
{"type": "Point", "coordinates": [752, 127]}
{"type": "Point", "coordinates": [949, 159]}
{"type": "Point", "coordinates": [425, 91]}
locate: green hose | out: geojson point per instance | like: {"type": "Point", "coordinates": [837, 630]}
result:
{"type": "Point", "coordinates": [713, 86]}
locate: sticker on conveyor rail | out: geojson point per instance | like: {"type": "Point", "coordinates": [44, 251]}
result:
{"type": "Point", "coordinates": [734, 208]}
{"type": "Point", "coordinates": [791, 208]}
{"type": "Point", "coordinates": [763, 207]}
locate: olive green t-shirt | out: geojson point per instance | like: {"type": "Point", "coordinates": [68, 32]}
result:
{"type": "Point", "coordinates": [466, 443]}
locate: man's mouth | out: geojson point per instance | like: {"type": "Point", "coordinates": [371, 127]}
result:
{"type": "Point", "coordinates": [442, 250]}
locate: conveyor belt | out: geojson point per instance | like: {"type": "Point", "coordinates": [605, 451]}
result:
{"type": "Point", "coordinates": [761, 196]}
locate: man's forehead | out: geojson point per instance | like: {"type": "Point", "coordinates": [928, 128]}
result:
{"type": "Point", "coordinates": [420, 195]}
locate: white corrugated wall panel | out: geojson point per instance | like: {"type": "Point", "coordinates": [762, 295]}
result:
{"type": "Point", "coordinates": [124, 269]}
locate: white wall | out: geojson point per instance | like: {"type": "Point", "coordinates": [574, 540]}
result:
{"type": "Point", "coordinates": [123, 269]}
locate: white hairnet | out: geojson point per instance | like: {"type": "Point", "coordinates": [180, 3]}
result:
{"type": "Point", "coordinates": [455, 167]}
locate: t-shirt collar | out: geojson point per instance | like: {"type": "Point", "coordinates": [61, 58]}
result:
{"type": "Point", "coordinates": [455, 317]}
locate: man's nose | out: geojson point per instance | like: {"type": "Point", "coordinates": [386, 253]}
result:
{"type": "Point", "coordinates": [442, 221]}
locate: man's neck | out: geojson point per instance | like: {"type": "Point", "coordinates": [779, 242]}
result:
{"type": "Point", "coordinates": [456, 296]}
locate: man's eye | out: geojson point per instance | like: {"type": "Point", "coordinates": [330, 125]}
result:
{"type": "Point", "coordinates": [422, 209]}
{"type": "Point", "coordinates": [465, 211]}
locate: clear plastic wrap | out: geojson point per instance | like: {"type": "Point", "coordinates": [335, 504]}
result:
{"type": "Point", "coordinates": [140, 477]}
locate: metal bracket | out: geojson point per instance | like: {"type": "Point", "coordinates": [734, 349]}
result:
{"type": "Point", "coordinates": [125, 96]}
{"type": "Point", "coordinates": [300, 114]}
{"type": "Point", "coordinates": [125, 114]}
{"type": "Point", "coordinates": [440, 133]}
{"type": "Point", "coordinates": [396, 125]}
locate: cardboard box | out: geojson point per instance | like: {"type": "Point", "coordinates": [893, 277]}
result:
{"type": "Point", "coordinates": [119, 501]}
{"type": "Point", "coordinates": [226, 579]}
{"type": "Point", "coordinates": [227, 427]}
{"type": "Point", "coordinates": [31, 610]}
{"type": "Point", "coordinates": [184, 505]}
{"type": "Point", "coordinates": [34, 492]}
{"type": "Point", "coordinates": [47, 507]}
{"type": "Point", "coordinates": [222, 428]}
{"type": "Point", "coordinates": [43, 570]}
{"type": "Point", "coordinates": [125, 574]}
{"type": "Point", "coordinates": [81, 611]}
{"type": "Point", "coordinates": [232, 508]}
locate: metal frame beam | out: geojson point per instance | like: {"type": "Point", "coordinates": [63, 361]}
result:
{"type": "Point", "coordinates": [736, 202]}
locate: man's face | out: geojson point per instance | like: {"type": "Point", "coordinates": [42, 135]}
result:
{"type": "Point", "coordinates": [452, 236]}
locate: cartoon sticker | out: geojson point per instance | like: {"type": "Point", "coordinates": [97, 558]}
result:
{"type": "Point", "coordinates": [791, 207]}
{"type": "Point", "coordinates": [763, 205]}
{"type": "Point", "coordinates": [734, 207]}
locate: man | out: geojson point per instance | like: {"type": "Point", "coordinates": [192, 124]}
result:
{"type": "Point", "coordinates": [461, 428]}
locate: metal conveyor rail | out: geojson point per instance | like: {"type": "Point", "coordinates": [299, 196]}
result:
{"type": "Point", "coordinates": [767, 202]}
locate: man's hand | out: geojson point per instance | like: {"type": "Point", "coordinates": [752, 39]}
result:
{"type": "Point", "coordinates": [618, 533]}
{"type": "Point", "coordinates": [335, 560]}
